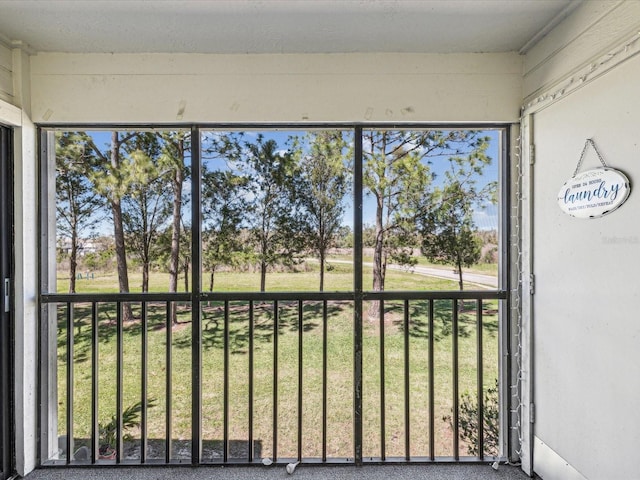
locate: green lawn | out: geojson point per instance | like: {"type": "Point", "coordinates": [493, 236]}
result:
{"type": "Point", "coordinates": [484, 268]}
{"type": "Point", "coordinates": [339, 367]}
{"type": "Point", "coordinates": [339, 277]}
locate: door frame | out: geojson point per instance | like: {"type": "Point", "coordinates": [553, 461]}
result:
{"type": "Point", "coordinates": [7, 447]}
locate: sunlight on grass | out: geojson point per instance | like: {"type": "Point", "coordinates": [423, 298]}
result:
{"type": "Point", "coordinates": [281, 418]}
{"type": "Point", "coordinates": [339, 278]}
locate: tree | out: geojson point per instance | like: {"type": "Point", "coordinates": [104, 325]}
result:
{"type": "Point", "coordinates": [344, 237]}
{"type": "Point", "coordinates": [324, 179]}
{"type": "Point", "coordinates": [175, 145]}
{"type": "Point", "coordinates": [368, 236]}
{"type": "Point", "coordinates": [449, 234]}
{"type": "Point", "coordinates": [397, 173]}
{"type": "Point", "coordinates": [223, 207]}
{"type": "Point", "coordinates": [110, 182]}
{"type": "Point", "coordinates": [184, 258]}
{"type": "Point", "coordinates": [271, 213]}
{"type": "Point", "coordinates": [103, 256]}
{"type": "Point", "coordinates": [163, 259]}
{"type": "Point", "coordinates": [77, 203]}
{"type": "Point", "coordinates": [398, 179]}
{"type": "Point", "coordinates": [146, 207]}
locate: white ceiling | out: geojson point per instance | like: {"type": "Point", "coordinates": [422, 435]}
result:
{"type": "Point", "coordinates": [280, 26]}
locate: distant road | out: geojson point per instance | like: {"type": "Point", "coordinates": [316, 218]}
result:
{"type": "Point", "coordinates": [486, 281]}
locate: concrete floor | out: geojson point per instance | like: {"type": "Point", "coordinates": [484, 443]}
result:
{"type": "Point", "coordinates": [303, 472]}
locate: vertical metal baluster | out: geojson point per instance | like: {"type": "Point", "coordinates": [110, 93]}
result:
{"type": "Point", "coordinates": [383, 420]}
{"type": "Point", "coordinates": [407, 383]}
{"type": "Point", "coordinates": [168, 385]}
{"type": "Point", "coordinates": [196, 286]}
{"type": "Point", "coordinates": [70, 381]}
{"type": "Point", "coordinates": [480, 367]}
{"type": "Point", "coordinates": [324, 380]}
{"type": "Point", "coordinates": [95, 339]}
{"type": "Point", "coordinates": [119, 381]}
{"type": "Point", "coordinates": [300, 359]}
{"type": "Point", "coordinates": [455, 366]}
{"type": "Point", "coordinates": [275, 380]}
{"type": "Point", "coordinates": [358, 295]}
{"type": "Point", "coordinates": [144, 384]}
{"type": "Point", "coordinates": [251, 387]}
{"type": "Point", "coordinates": [225, 388]}
{"type": "Point", "coordinates": [432, 409]}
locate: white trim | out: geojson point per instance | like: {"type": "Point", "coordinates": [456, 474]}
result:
{"type": "Point", "coordinates": [584, 75]}
{"type": "Point", "coordinates": [526, 303]}
{"type": "Point", "coordinates": [10, 114]}
{"type": "Point", "coordinates": [5, 41]}
{"type": "Point", "coordinates": [553, 23]}
{"type": "Point", "coordinates": [551, 466]}
{"type": "Point", "coordinates": [26, 294]}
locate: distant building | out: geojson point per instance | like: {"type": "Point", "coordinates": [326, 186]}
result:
{"type": "Point", "coordinates": [85, 245]}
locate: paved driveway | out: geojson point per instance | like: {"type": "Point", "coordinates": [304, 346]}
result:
{"type": "Point", "coordinates": [485, 281]}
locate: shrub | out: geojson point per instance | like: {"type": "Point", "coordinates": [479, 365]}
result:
{"type": "Point", "coordinates": [468, 421]}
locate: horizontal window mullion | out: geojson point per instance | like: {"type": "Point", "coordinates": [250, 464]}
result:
{"type": "Point", "coordinates": [113, 297]}
{"type": "Point", "coordinates": [269, 296]}
{"type": "Point", "coordinates": [437, 295]}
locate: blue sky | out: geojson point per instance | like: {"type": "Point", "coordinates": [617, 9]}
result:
{"type": "Point", "coordinates": [485, 219]}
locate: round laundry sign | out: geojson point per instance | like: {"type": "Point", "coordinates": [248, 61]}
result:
{"type": "Point", "coordinates": [594, 193]}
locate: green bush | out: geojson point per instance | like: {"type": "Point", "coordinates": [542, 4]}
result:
{"type": "Point", "coordinates": [468, 421]}
{"type": "Point", "coordinates": [130, 419]}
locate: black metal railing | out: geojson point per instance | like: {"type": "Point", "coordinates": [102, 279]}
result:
{"type": "Point", "coordinates": [241, 377]}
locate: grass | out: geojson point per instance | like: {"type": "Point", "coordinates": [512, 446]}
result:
{"type": "Point", "coordinates": [484, 268]}
{"type": "Point", "coordinates": [339, 331]}
{"type": "Point", "coordinates": [306, 278]}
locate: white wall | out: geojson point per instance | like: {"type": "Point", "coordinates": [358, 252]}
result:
{"type": "Point", "coordinates": [166, 88]}
{"type": "Point", "coordinates": [15, 113]}
{"type": "Point", "coordinates": [586, 333]}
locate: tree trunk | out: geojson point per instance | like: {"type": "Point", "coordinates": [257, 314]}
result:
{"type": "Point", "coordinates": [145, 277]}
{"type": "Point", "coordinates": [145, 254]}
{"type": "Point", "coordinates": [460, 284]}
{"type": "Point", "coordinates": [186, 276]}
{"type": "Point", "coordinates": [322, 263]}
{"type": "Point", "coordinates": [178, 178]}
{"type": "Point", "coordinates": [121, 257]}
{"type": "Point", "coordinates": [378, 262]}
{"type": "Point", "coordinates": [73, 261]}
{"type": "Point", "coordinates": [213, 270]}
{"type": "Point", "coordinates": [118, 231]}
{"type": "Point", "coordinates": [263, 275]}
{"type": "Point", "coordinates": [73, 254]}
